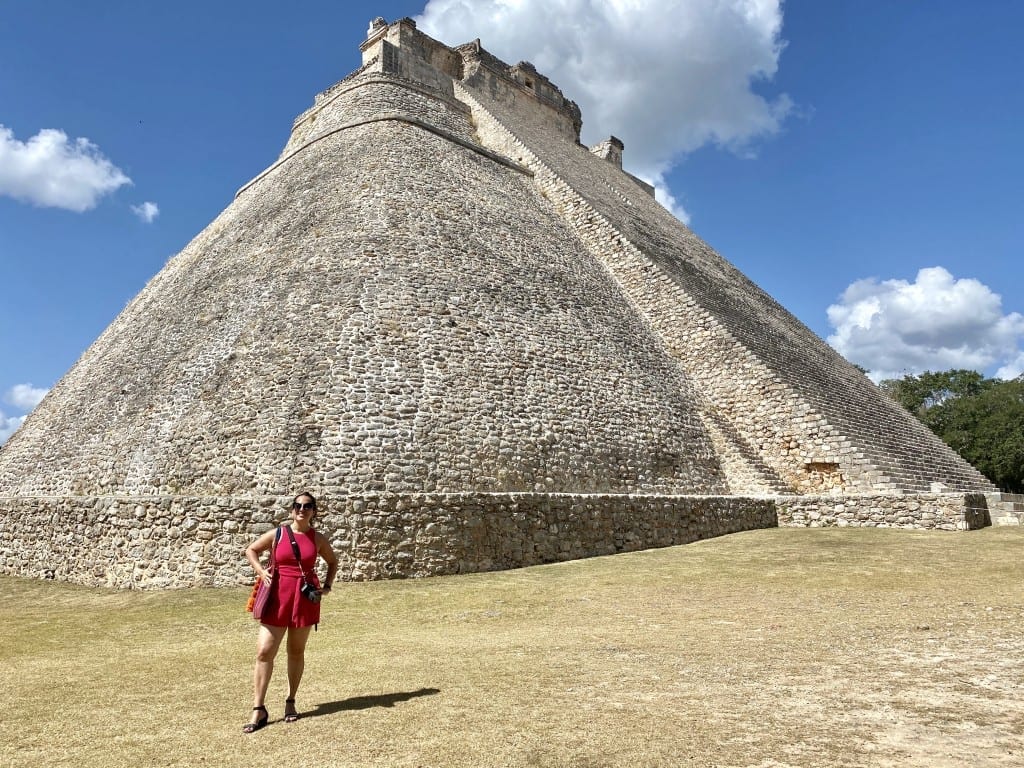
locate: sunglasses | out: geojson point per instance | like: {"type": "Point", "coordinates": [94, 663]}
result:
{"type": "Point", "coordinates": [304, 505]}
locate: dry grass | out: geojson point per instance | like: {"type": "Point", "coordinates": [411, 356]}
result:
{"type": "Point", "coordinates": [774, 648]}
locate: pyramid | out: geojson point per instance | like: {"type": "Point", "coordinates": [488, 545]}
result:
{"type": "Point", "coordinates": [480, 343]}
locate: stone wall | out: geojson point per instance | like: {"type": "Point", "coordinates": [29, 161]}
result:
{"type": "Point", "coordinates": [943, 511]}
{"type": "Point", "coordinates": [176, 541]}
{"type": "Point", "coordinates": [1006, 508]}
{"type": "Point", "coordinates": [377, 95]}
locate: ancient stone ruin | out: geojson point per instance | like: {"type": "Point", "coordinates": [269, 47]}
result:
{"type": "Point", "coordinates": [480, 343]}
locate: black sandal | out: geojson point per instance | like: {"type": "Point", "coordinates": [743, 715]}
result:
{"type": "Point", "coordinates": [290, 717]}
{"type": "Point", "coordinates": [260, 722]}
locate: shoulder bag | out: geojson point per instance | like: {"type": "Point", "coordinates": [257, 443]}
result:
{"type": "Point", "coordinates": [261, 589]}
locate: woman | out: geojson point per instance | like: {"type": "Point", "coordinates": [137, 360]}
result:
{"type": "Point", "coordinates": [288, 611]}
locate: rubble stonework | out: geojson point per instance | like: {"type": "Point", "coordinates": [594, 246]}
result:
{"type": "Point", "coordinates": [948, 512]}
{"type": "Point", "coordinates": [174, 540]}
{"type": "Point", "coordinates": [481, 343]}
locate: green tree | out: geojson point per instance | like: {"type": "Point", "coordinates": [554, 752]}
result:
{"type": "Point", "coordinates": [981, 419]}
{"type": "Point", "coordinates": [918, 394]}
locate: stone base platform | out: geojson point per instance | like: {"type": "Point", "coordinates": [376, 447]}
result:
{"type": "Point", "coordinates": [173, 542]}
{"type": "Point", "coordinates": [1006, 508]}
{"type": "Point", "coordinates": [942, 511]}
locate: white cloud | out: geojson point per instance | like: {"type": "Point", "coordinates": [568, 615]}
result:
{"type": "Point", "coordinates": [937, 322]}
{"type": "Point", "coordinates": [8, 425]}
{"type": "Point", "coordinates": [665, 76]}
{"type": "Point", "coordinates": [25, 396]}
{"type": "Point", "coordinates": [1013, 368]}
{"type": "Point", "coordinates": [146, 212]}
{"type": "Point", "coordinates": [664, 196]}
{"type": "Point", "coordinates": [49, 170]}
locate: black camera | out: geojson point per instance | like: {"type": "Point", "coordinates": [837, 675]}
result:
{"type": "Point", "coordinates": [310, 592]}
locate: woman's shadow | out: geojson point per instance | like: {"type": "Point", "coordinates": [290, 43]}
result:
{"type": "Point", "coordinates": [367, 702]}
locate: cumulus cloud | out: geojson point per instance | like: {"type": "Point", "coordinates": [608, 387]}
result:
{"type": "Point", "coordinates": [8, 426]}
{"type": "Point", "coordinates": [666, 76]}
{"type": "Point", "coordinates": [50, 170]}
{"type": "Point", "coordinates": [1013, 368]}
{"type": "Point", "coordinates": [664, 196]}
{"type": "Point", "coordinates": [937, 322]}
{"type": "Point", "coordinates": [146, 212]}
{"type": "Point", "coordinates": [25, 397]}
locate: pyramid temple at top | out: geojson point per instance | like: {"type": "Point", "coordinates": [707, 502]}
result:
{"type": "Point", "coordinates": [480, 343]}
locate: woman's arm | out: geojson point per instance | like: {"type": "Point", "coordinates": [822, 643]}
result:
{"type": "Point", "coordinates": [325, 551]}
{"type": "Point", "coordinates": [258, 547]}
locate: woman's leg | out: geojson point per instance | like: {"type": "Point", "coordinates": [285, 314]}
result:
{"type": "Point", "coordinates": [297, 637]}
{"type": "Point", "coordinates": [267, 644]}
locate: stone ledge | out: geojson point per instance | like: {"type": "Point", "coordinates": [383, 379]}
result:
{"type": "Point", "coordinates": [502, 160]}
{"type": "Point", "coordinates": [172, 542]}
{"type": "Point", "coordinates": [942, 511]}
{"type": "Point", "coordinates": [168, 542]}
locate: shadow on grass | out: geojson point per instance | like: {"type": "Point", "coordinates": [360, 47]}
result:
{"type": "Point", "coordinates": [367, 702]}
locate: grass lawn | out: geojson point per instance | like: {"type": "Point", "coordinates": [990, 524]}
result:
{"type": "Point", "coordinates": [767, 649]}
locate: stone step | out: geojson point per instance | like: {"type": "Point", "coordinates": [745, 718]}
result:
{"type": "Point", "coordinates": [1006, 508]}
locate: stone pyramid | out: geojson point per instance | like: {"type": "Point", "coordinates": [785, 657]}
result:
{"type": "Point", "coordinates": [480, 343]}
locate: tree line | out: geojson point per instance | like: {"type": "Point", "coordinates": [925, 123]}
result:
{"type": "Point", "coordinates": [981, 419]}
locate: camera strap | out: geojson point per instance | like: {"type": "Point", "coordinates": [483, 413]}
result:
{"type": "Point", "coordinates": [295, 551]}
{"type": "Point", "coordinates": [298, 559]}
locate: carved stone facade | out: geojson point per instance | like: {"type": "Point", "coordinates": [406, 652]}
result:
{"type": "Point", "coordinates": [439, 306]}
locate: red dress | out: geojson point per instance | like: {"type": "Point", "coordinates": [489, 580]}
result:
{"type": "Point", "coordinates": [286, 607]}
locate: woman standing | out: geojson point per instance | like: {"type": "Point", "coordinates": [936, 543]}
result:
{"type": "Point", "coordinates": [288, 612]}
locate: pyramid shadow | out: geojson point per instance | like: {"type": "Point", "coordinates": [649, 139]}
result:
{"type": "Point", "coordinates": [368, 702]}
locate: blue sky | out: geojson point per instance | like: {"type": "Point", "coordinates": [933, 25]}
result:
{"type": "Point", "coordinates": [858, 160]}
